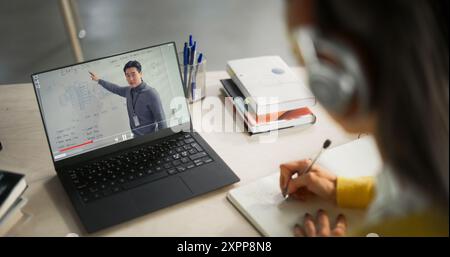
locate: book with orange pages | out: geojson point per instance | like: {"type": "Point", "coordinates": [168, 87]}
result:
{"type": "Point", "coordinates": [265, 123]}
{"type": "Point", "coordinates": [284, 115]}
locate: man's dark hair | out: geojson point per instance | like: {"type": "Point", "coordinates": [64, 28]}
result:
{"type": "Point", "coordinates": [132, 64]}
{"type": "Point", "coordinates": [407, 42]}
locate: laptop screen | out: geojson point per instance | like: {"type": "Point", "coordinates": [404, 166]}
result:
{"type": "Point", "coordinates": [107, 101]}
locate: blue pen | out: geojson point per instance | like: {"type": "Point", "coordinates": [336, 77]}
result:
{"type": "Point", "coordinates": [185, 63]}
{"type": "Point", "coordinates": [193, 53]}
{"type": "Point", "coordinates": [188, 67]}
{"type": "Point", "coordinates": [191, 65]}
{"type": "Point", "coordinates": [200, 58]}
{"type": "Point", "coordinates": [194, 80]}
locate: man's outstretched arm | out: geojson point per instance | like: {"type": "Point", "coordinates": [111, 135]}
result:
{"type": "Point", "coordinates": [111, 87]}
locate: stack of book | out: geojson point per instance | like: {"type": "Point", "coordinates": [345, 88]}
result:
{"type": "Point", "coordinates": [267, 94]}
{"type": "Point", "coordinates": [12, 186]}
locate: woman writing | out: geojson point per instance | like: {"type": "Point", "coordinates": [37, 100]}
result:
{"type": "Point", "coordinates": [378, 67]}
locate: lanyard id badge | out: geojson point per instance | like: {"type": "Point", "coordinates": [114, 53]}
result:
{"type": "Point", "coordinates": [133, 104]}
{"type": "Point", "coordinates": [136, 120]}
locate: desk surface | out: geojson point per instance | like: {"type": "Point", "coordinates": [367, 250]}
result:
{"type": "Point", "coordinates": [50, 213]}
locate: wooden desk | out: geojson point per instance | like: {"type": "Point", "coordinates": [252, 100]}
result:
{"type": "Point", "coordinates": [50, 213]}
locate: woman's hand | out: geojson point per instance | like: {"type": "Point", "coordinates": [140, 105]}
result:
{"type": "Point", "coordinates": [320, 226]}
{"type": "Point", "coordinates": [318, 181]}
{"type": "Point", "coordinates": [94, 76]}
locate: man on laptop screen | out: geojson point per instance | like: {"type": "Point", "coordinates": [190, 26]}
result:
{"type": "Point", "coordinates": [144, 106]}
{"type": "Point", "coordinates": [81, 116]}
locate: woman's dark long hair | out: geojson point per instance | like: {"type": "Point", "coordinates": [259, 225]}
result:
{"type": "Point", "coordinates": [407, 43]}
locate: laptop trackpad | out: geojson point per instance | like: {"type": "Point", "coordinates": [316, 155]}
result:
{"type": "Point", "coordinates": [160, 194]}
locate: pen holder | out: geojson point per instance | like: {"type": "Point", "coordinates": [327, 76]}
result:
{"type": "Point", "coordinates": [194, 79]}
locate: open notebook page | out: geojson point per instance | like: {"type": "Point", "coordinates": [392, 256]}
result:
{"type": "Point", "coordinates": [263, 205]}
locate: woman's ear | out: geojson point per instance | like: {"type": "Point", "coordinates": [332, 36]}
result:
{"type": "Point", "coordinates": [300, 13]}
{"type": "Point", "coordinates": [357, 124]}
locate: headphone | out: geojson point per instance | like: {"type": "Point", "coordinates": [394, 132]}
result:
{"type": "Point", "coordinates": [336, 85]}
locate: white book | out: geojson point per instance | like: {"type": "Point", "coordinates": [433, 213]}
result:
{"type": "Point", "coordinates": [12, 216]}
{"type": "Point", "coordinates": [255, 127]}
{"type": "Point", "coordinates": [263, 205]}
{"type": "Point", "coordinates": [269, 84]}
{"type": "Point", "coordinates": [12, 186]}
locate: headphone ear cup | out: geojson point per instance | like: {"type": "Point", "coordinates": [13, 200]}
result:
{"type": "Point", "coordinates": [333, 89]}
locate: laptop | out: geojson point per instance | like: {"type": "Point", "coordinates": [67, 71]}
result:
{"type": "Point", "coordinates": [123, 149]}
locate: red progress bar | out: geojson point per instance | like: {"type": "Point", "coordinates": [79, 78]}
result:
{"type": "Point", "coordinates": [76, 146]}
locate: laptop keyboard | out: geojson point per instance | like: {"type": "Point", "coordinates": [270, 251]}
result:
{"type": "Point", "coordinates": [136, 167]}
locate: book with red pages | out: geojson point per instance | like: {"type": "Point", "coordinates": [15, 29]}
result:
{"type": "Point", "coordinates": [278, 116]}
{"type": "Point", "coordinates": [268, 122]}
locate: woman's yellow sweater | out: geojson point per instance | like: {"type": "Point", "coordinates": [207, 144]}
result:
{"type": "Point", "coordinates": [359, 192]}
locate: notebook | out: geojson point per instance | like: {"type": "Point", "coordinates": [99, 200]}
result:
{"type": "Point", "coordinates": [265, 208]}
